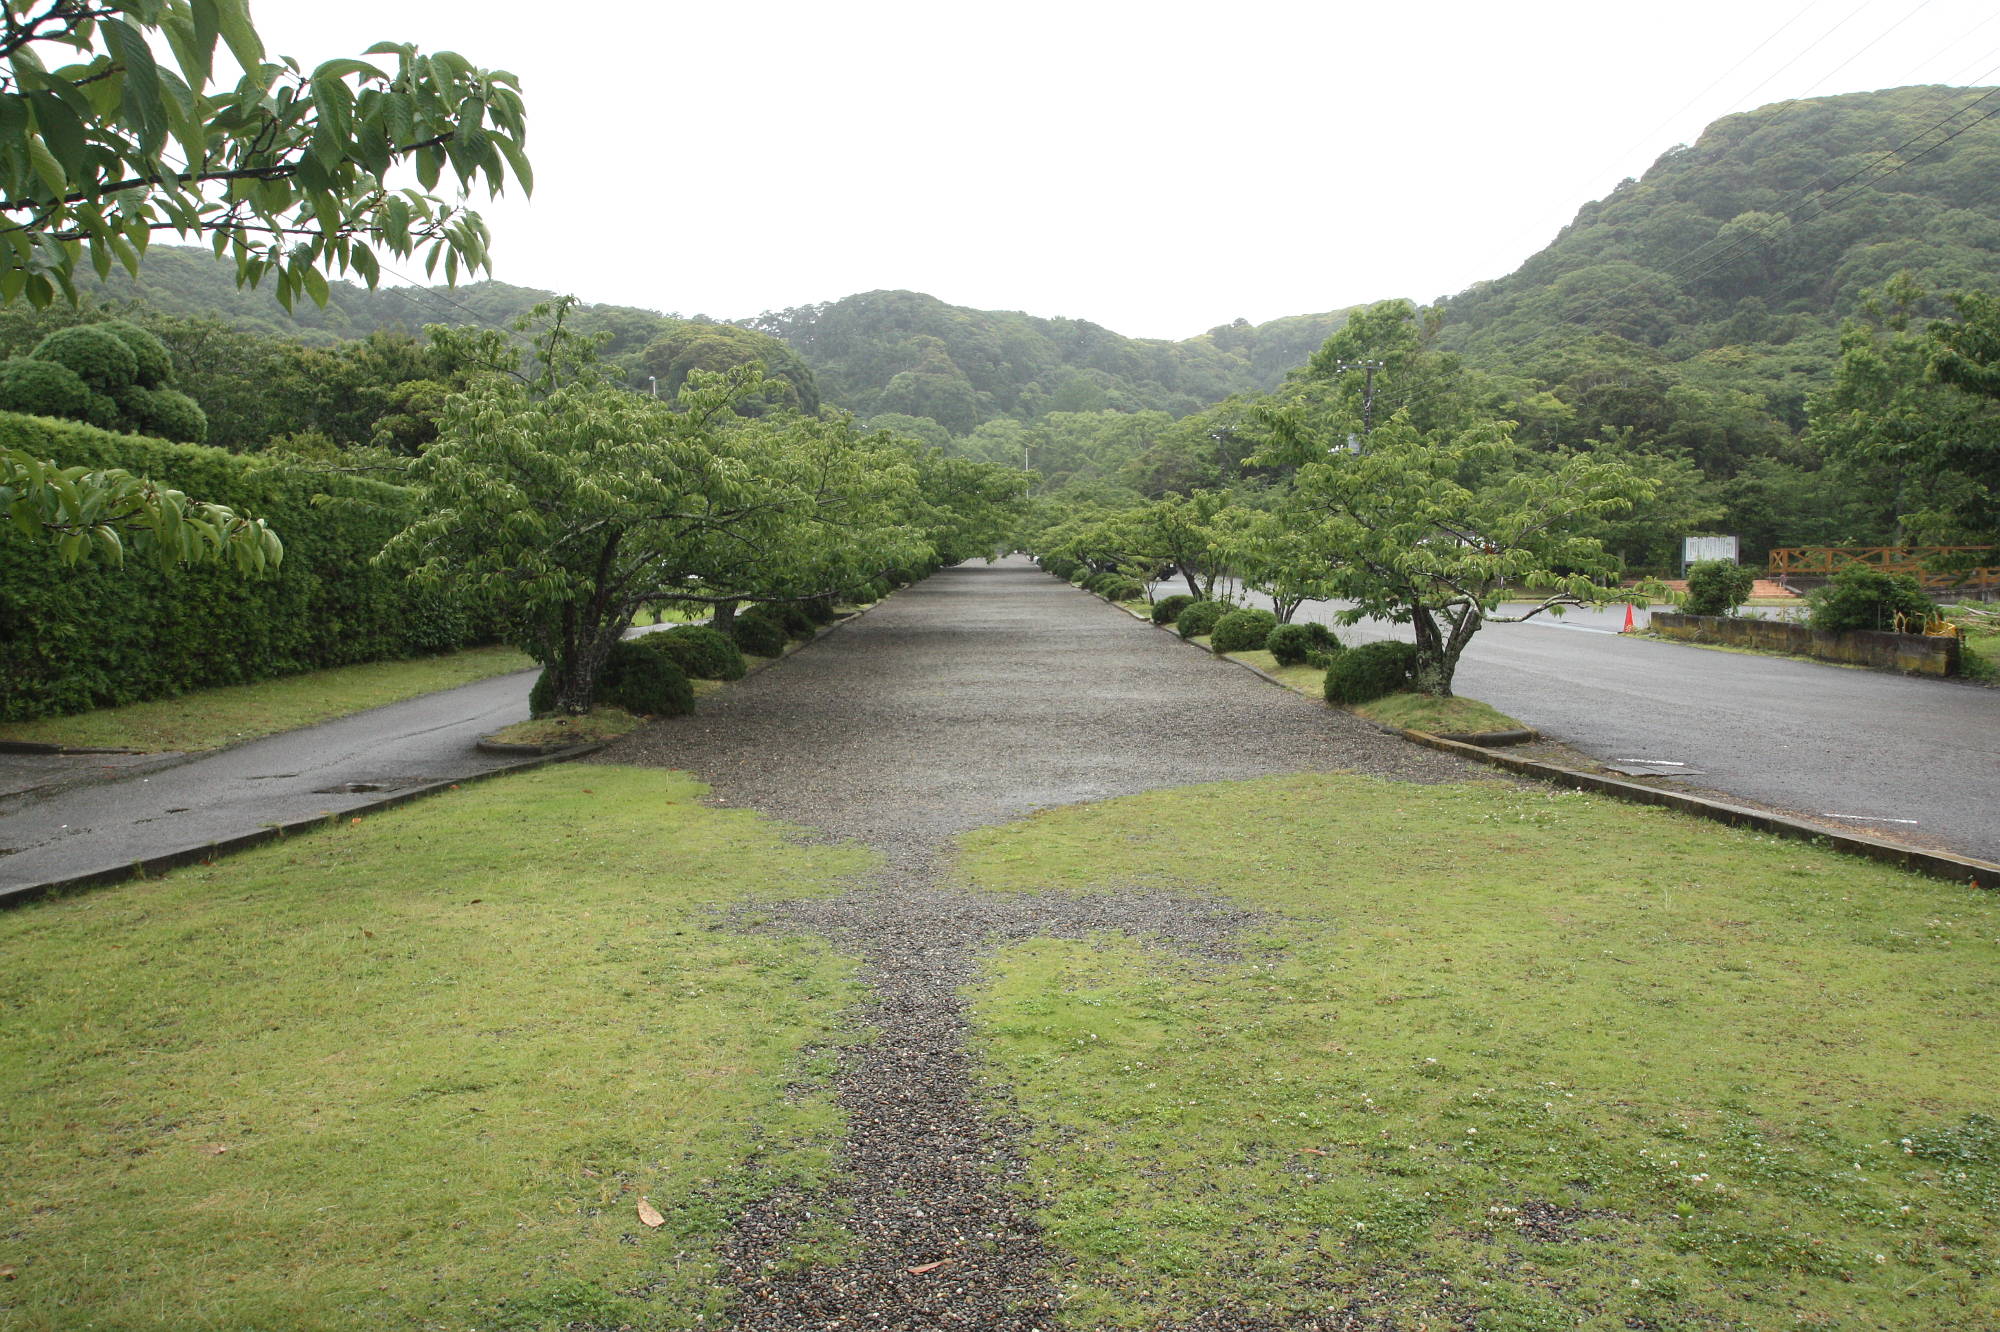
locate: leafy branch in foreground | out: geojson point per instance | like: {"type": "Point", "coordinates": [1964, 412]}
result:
{"type": "Point", "coordinates": [97, 513]}
{"type": "Point", "coordinates": [102, 145]}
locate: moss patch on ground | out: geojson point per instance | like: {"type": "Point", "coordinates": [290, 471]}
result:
{"type": "Point", "coordinates": [212, 718]}
{"type": "Point", "coordinates": [1505, 1057]}
{"type": "Point", "coordinates": [1438, 716]}
{"type": "Point", "coordinates": [417, 1070]}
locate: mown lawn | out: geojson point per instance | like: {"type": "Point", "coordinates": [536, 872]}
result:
{"type": "Point", "coordinates": [415, 1071]}
{"type": "Point", "coordinates": [212, 718]}
{"type": "Point", "coordinates": [1502, 1058]}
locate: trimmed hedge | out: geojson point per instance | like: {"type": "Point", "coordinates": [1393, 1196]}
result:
{"type": "Point", "coordinates": [704, 653]}
{"type": "Point", "coordinates": [1717, 587]}
{"type": "Point", "coordinates": [1861, 598]}
{"type": "Point", "coordinates": [759, 635]}
{"type": "Point", "coordinates": [1167, 609]}
{"type": "Point", "coordinates": [1371, 671]}
{"type": "Point", "coordinates": [1243, 630]}
{"type": "Point", "coordinates": [641, 679]}
{"type": "Point", "coordinates": [1201, 617]}
{"type": "Point", "coordinates": [1298, 644]}
{"type": "Point", "coordinates": [74, 638]}
{"type": "Point", "coordinates": [1117, 587]}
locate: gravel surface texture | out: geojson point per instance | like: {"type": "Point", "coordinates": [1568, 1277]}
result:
{"type": "Point", "coordinates": [974, 698]}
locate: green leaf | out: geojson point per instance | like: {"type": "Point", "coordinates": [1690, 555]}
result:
{"type": "Point", "coordinates": [142, 103]}
{"type": "Point", "coordinates": [232, 17]}
{"type": "Point", "coordinates": [62, 131]}
{"type": "Point", "coordinates": [517, 159]}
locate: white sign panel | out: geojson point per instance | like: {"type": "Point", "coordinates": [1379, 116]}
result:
{"type": "Point", "coordinates": [1694, 549]}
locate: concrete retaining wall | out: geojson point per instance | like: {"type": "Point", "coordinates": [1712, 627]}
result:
{"type": "Point", "coordinates": [1912, 654]}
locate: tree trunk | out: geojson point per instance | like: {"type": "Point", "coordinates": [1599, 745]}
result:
{"type": "Point", "coordinates": [725, 614]}
{"type": "Point", "coordinates": [1435, 662]}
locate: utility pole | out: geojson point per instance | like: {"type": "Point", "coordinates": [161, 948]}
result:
{"type": "Point", "coordinates": [1367, 395]}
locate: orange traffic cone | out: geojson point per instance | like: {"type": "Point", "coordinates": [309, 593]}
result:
{"type": "Point", "coordinates": [1629, 626]}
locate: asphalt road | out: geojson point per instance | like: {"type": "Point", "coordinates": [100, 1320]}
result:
{"type": "Point", "coordinates": [296, 775]}
{"type": "Point", "coordinates": [1904, 757]}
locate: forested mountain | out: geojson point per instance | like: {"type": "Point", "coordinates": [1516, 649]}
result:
{"type": "Point", "coordinates": [904, 353]}
{"type": "Point", "coordinates": [1701, 303]}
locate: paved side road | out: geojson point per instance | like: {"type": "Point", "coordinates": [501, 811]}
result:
{"type": "Point", "coordinates": [296, 775]}
{"type": "Point", "coordinates": [1907, 758]}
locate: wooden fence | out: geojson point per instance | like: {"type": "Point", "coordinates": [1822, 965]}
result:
{"type": "Point", "coordinates": [1917, 561]}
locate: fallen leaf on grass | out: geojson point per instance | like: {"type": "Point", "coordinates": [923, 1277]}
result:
{"type": "Point", "coordinates": [6, 1274]}
{"type": "Point", "coordinates": [651, 1214]}
{"type": "Point", "coordinates": [1312, 1151]}
{"type": "Point", "coordinates": [214, 1148]}
{"type": "Point", "coordinates": [929, 1267]}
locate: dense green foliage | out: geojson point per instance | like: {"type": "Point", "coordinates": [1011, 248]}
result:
{"type": "Point", "coordinates": [906, 354]}
{"type": "Point", "coordinates": [115, 374]}
{"type": "Point", "coordinates": [1167, 609]}
{"type": "Point", "coordinates": [703, 652]}
{"type": "Point", "coordinates": [1299, 643]}
{"type": "Point", "coordinates": [1717, 587]}
{"type": "Point", "coordinates": [1867, 599]}
{"type": "Point", "coordinates": [1243, 630]}
{"type": "Point", "coordinates": [759, 635]}
{"type": "Point", "coordinates": [1371, 671]}
{"type": "Point", "coordinates": [88, 636]}
{"type": "Point", "coordinates": [1201, 618]}
{"type": "Point", "coordinates": [640, 678]}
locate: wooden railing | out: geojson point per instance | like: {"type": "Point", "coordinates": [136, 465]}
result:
{"type": "Point", "coordinates": [1822, 561]}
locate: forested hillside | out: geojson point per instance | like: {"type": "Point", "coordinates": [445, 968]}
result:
{"type": "Point", "coordinates": [907, 354]}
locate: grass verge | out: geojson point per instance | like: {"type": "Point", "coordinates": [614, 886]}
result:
{"type": "Point", "coordinates": [603, 722]}
{"type": "Point", "coordinates": [415, 1071]}
{"type": "Point", "coordinates": [1438, 716]}
{"type": "Point", "coordinates": [1502, 1057]}
{"type": "Point", "coordinates": [212, 718]}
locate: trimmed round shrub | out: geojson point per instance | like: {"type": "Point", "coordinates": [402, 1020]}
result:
{"type": "Point", "coordinates": [154, 363]}
{"type": "Point", "coordinates": [542, 698]}
{"type": "Point", "coordinates": [1717, 587]}
{"type": "Point", "coordinates": [1118, 588]}
{"type": "Point", "coordinates": [819, 610]}
{"type": "Point", "coordinates": [1061, 566]}
{"type": "Point", "coordinates": [1201, 617]}
{"type": "Point", "coordinates": [1298, 644]}
{"type": "Point", "coordinates": [793, 616]}
{"type": "Point", "coordinates": [1371, 671]}
{"type": "Point", "coordinates": [1867, 599]}
{"type": "Point", "coordinates": [167, 413]}
{"type": "Point", "coordinates": [1167, 608]}
{"type": "Point", "coordinates": [702, 652]}
{"type": "Point", "coordinates": [42, 388]}
{"type": "Point", "coordinates": [99, 357]}
{"type": "Point", "coordinates": [759, 635]}
{"type": "Point", "coordinates": [1243, 630]}
{"type": "Point", "coordinates": [639, 679]}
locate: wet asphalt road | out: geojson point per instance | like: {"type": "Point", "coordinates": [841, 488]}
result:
{"type": "Point", "coordinates": [100, 826]}
{"type": "Point", "coordinates": [1908, 758]}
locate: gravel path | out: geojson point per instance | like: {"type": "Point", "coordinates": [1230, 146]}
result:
{"type": "Point", "coordinates": [974, 698]}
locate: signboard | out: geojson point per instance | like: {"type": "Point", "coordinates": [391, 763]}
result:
{"type": "Point", "coordinates": [1697, 548]}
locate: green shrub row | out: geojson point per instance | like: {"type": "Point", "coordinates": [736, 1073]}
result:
{"type": "Point", "coordinates": [1201, 618]}
{"type": "Point", "coordinates": [1310, 643]}
{"type": "Point", "coordinates": [87, 636]}
{"type": "Point", "coordinates": [1371, 671]}
{"type": "Point", "coordinates": [1243, 630]}
{"type": "Point", "coordinates": [1167, 609]}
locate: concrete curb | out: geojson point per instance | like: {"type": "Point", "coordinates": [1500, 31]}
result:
{"type": "Point", "coordinates": [271, 832]}
{"type": "Point", "coordinates": [37, 747]}
{"type": "Point", "coordinates": [1936, 864]}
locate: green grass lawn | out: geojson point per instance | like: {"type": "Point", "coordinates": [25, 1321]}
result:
{"type": "Point", "coordinates": [1506, 1057]}
{"type": "Point", "coordinates": [415, 1071]}
{"type": "Point", "coordinates": [211, 718]}
{"type": "Point", "coordinates": [1438, 716]}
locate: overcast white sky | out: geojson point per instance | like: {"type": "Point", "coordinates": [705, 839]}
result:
{"type": "Point", "coordinates": [1156, 167]}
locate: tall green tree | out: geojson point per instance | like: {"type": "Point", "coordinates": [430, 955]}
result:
{"type": "Point", "coordinates": [1432, 529]}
